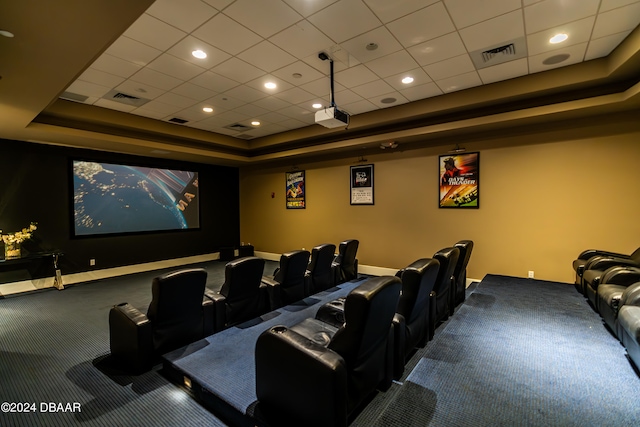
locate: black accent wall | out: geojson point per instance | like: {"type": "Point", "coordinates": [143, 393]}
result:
{"type": "Point", "coordinates": [35, 186]}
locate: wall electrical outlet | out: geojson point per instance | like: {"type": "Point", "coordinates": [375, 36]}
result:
{"type": "Point", "coordinates": [92, 262]}
{"type": "Point", "coordinates": [530, 274]}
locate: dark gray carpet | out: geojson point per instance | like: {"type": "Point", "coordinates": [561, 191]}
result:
{"type": "Point", "coordinates": [519, 352]}
{"type": "Point", "coordinates": [52, 344]}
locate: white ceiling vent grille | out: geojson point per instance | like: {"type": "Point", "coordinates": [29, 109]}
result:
{"type": "Point", "coordinates": [238, 127]}
{"type": "Point", "coordinates": [498, 54]}
{"type": "Point", "coordinates": [70, 96]}
{"type": "Point", "coordinates": [125, 98]}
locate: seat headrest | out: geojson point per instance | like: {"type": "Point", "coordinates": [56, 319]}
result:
{"type": "Point", "coordinates": [242, 277]}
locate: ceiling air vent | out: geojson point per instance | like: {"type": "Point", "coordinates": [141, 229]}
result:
{"type": "Point", "coordinates": [238, 127]}
{"type": "Point", "coordinates": [125, 98]}
{"type": "Point", "coordinates": [178, 120]}
{"type": "Point", "coordinates": [498, 54]}
{"type": "Point", "coordinates": [70, 96]}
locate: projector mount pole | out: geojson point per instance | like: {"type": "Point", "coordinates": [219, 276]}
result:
{"type": "Point", "coordinates": [323, 56]}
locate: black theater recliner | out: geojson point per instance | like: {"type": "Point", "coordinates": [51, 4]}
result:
{"type": "Point", "coordinates": [594, 269]}
{"type": "Point", "coordinates": [314, 374]}
{"type": "Point", "coordinates": [460, 273]}
{"type": "Point", "coordinates": [287, 284]}
{"type": "Point", "coordinates": [319, 275]}
{"type": "Point", "coordinates": [178, 314]}
{"type": "Point", "coordinates": [345, 264]}
{"type": "Point", "coordinates": [613, 292]}
{"type": "Point", "coordinates": [579, 265]}
{"type": "Point", "coordinates": [415, 306]}
{"type": "Point", "coordinates": [445, 283]}
{"type": "Point", "coordinates": [242, 296]}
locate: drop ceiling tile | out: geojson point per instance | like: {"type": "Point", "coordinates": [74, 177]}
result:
{"type": "Point", "coordinates": [465, 13]}
{"type": "Point", "coordinates": [155, 33]}
{"type": "Point", "coordinates": [388, 11]}
{"type": "Point", "coordinates": [297, 112]}
{"type": "Point", "coordinates": [133, 51]}
{"type": "Point", "coordinates": [306, 7]}
{"type": "Point", "coordinates": [301, 40]}
{"type": "Point", "coordinates": [392, 64]}
{"type": "Point", "coordinates": [219, 4]}
{"type": "Point", "coordinates": [245, 93]}
{"type": "Point", "coordinates": [116, 66]}
{"type": "Point", "coordinates": [251, 110]}
{"type": "Point", "coordinates": [617, 20]}
{"type": "Point", "coordinates": [156, 79]}
{"type": "Point", "coordinates": [439, 49]}
{"type": "Point", "coordinates": [359, 107]}
{"type": "Point", "coordinates": [194, 113]}
{"type": "Point", "coordinates": [175, 67]}
{"type": "Point", "coordinates": [322, 86]}
{"type": "Point", "coordinates": [186, 15]}
{"type": "Point", "coordinates": [267, 56]}
{"type": "Point", "coordinates": [265, 17]}
{"type": "Point", "coordinates": [575, 54]}
{"type": "Point", "coordinates": [227, 118]}
{"type": "Point", "coordinates": [604, 46]}
{"type": "Point", "coordinates": [145, 112]}
{"type": "Point", "coordinates": [194, 91]}
{"type": "Point", "coordinates": [215, 82]}
{"type": "Point", "coordinates": [419, 76]}
{"type": "Point", "coordinates": [88, 89]}
{"type": "Point", "coordinates": [271, 103]}
{"type": "Point", "coordinates": [578, 32]}
{"type": "Point", "coordinates": [450, 67]}
{"type": "Point", "coordinates": [272, 117]}
{"type": "Point", "coordinates": [354, 76]}
{"type": "Point", "coordinates": [226, 34]}
{"type": "Point", "coordinates": [360, 46]}
{"type": "Point", "coordinates": [176, 100]}
{"type": "Point", "coordinates": [463, 81]}
{"type": "Point", "coordinates": [504, 71]}
{"type": "Point", "coordinates": [345, 97]}
{"type": "Point", "coordinates": [142, 90]}
{"type": "Point", "coordinates": [426, 24]}
{"type": "Point", "coordinates": [224, 102]}
{"type": "Point", "coordinates": [607, 5]}
{"type": "Point", "coordinates": [98, 77]}
{"type": "Point", "coordinates": [298, 73]}
{"type": "Point", "coordinates": [184, 48]}
{"type": "Point", "coordinates": [293, 124]}
{"type": "Point", "coordinates": [294, 95]}
{"type": "Point", "coordinates": [416, 93]}
{"type": "Point", "coordinates": [238, 70]}
{"type": "Point", "coordinates": [551, 13]}
{"type": "Point", "coordinates": [345, 19]}
{"type": "Point", "coordinates": [497, 31]}
{"type": "Point", "coordinates": [161, 108]}
{"type": "Point", "coordinates": [373, 89]}
{"type": "Point", "coordinates": [389, 100]}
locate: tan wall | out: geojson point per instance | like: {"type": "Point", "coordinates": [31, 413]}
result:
{"type": "Point", "coordinates": [541, 204]}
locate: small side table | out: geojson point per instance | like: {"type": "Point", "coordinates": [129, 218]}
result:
{"type": "Point", "coordinates": [245, 250]}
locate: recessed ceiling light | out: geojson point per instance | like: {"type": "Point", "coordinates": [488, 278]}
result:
{"type": "Point", "coordinates": [270, 85]}
{"type": "Point", "coordinates": [255, 123]}
{"type": "Point", "coordinates": [6, 33]}
{"type": "Point", "coordinates": [199, 54]}
{"type": "Point", "coordinates": [558, 38]}
{"type": "Point", "coordinates": [407, 80]}
{"type": "Point", "coordinates": [316, 105]}
{"type": "Point", "coordinates": [207, 109]}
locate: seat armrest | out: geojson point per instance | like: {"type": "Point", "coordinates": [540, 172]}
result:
{"type": "Point", "coordinates": [219, 309]}
{"type": "Point", "coordinates": [274, 292]}
{"type": "Point", "coordinates": [631, 295]}
{"type": "Point", "coordinates": [208, 316]}
{"type": "Point", "coordinates": [399, 337]}
{"type": "Point", "coordinates": [130, 338]}
{"type": "Point", "coordinates": [332, 313]}
{"type": "Point", "coordinates": [285, 396]}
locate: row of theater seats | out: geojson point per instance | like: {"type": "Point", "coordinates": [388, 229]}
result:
{"type": "Point", "coordinates": [321, 371]}
{"type": "Point", "coordinates": [611, 283]}
{"type": "Point", "coordinates": [184, 310]}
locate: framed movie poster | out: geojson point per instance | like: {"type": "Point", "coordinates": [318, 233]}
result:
{"type": "Point", "coordinates": [295, 190]}
{"type": "Point", "coordinates": [459, 180]}
{"type": "Point", "coordinates": [362, 185]}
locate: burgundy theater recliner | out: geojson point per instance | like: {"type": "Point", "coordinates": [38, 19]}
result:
{"type": "Point", "coordinates": [178, 314]}
{"type": "Point", "coordinates": [314, 374]}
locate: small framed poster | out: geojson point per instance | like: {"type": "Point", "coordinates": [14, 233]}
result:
{"type": "Point", "coordinates": [459, 180]}
{"type": "Point", "coordinates": [296, 190]}
{"type": "Point", "coordinates": [362, 185]}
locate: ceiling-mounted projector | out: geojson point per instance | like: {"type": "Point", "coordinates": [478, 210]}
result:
{"type": "Point", "coordinates": [332, 118]}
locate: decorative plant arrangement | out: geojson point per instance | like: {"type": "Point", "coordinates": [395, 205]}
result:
{"type": "Point", "coordinates": [12, 241]}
